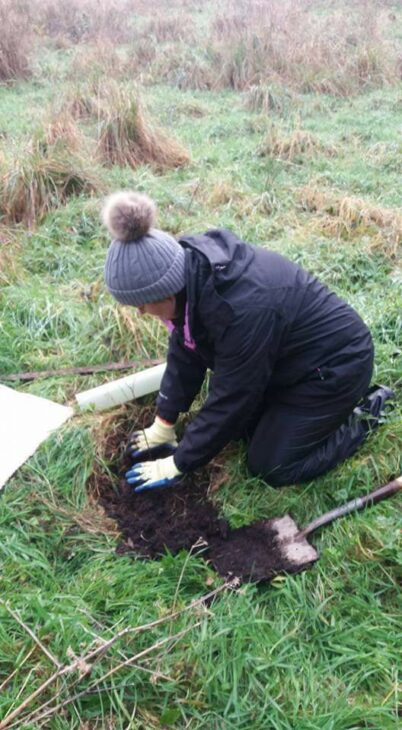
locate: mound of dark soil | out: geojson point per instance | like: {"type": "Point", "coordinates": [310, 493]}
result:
{"type": "Point", "coordinates": [250, 553]}
{"type": "Point", "coordinates": [170, 519]}
{"type": "Point", "coordinates": [184, 517]}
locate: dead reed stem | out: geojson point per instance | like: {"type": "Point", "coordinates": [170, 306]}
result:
{"type": "Point", "coordinates": [35, 717]}
{"type": "Point", "coordinates": [95, 654]}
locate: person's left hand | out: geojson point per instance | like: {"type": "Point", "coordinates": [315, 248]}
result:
{"type": "Point", "coordinates": [153, 474]}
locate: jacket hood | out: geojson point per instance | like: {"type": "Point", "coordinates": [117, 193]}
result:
{"type": "Point", "coordinates": [214, 261]}
{"type": "Point", "coordinates": [226, 254]}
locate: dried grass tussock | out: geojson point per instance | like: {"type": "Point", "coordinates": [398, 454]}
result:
{"type": "Point", "coordinates": [142, 334]}
{"type": "Point", "coordinates": [97, 62]}
{"type": "Point", "coordinates": [289, 146]}
{"type": "Point", "coordinates": [84, 20]}
{"type": "Point", "coordinates": [263, 44]}
{"type": "Point", "coordinates": [242, 203]}
{"type": "Point", "coordinates": [39, 177]}
{"type": "Point", "coordinates": [268, 98]}
{"type": "Point", "coordinates": [141, 57]}
{"type": "Point", "coordinates": [9, 246]}
{"type": "Point", "coordinates": [164, 29]}
{"type": "Point", "coordinates": [346, 213]}
{"type": "Point", "coordinates": [14, 43]}
{"type": "Point", "coordinates": [223, 193]}
{"type": "Point", "coordinates": [62, 132]}
{"type": "Point", "coordinates": [185, 67]}
{"type": "Point", "coordinates": [127, 137]}
{"type": "Point", "coordinates": [282, 40]}
{"type": "Point", "coordinates": [80, 101]}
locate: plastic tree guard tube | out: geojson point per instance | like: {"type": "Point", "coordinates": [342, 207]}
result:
{"type": "Point", "coordinates": [122, 390]}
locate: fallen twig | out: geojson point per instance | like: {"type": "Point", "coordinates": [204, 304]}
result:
{"type": "Point", "coordinates": [131, 660]}
{"type": "Point", "coordinates": [84, 370]}
{"type": "Point", "coordinates": [34, 715]}
{"type": "Point", "coordinates": [143, 653]}
{"type": "Point", "coordinates": [7, 720]}
{"type": "Point", "coordinates": [100, 650]}
{"type": "Point", "coordinates": [157, 622]}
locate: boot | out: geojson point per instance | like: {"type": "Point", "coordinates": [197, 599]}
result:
{"type": "Point", "coordinates": [375, 404]}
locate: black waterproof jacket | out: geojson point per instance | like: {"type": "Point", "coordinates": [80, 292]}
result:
{"type": "Point", "coordinates": [263, 326]}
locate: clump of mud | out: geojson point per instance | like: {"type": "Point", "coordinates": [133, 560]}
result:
{"type": "Point", "coordinates": [182, 517]}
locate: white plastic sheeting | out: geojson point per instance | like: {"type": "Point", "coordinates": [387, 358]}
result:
{"type": "Point", "coordinates": [25, 422]}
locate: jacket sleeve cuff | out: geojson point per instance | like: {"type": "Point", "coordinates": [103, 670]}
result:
{"type": "Point", "coordinates": [167, 414]}
{"type": "Point", "coordinates": [182, 467]}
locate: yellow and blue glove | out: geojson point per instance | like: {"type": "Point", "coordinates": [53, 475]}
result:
{"type": "Point", "coordinates": [153, 474]}
{"type": "Point", "coordinates": [150, 440]}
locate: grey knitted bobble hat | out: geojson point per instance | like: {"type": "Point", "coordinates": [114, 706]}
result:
{"type": "Point", "coordinates": [143, 264]}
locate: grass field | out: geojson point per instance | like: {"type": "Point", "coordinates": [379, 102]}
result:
{"type": "Point", "coordinates": [306, 161]}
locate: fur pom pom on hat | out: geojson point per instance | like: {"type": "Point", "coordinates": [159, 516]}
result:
{"type": "Point", "coordinates": [143, 264]}
{"type": "Point", "coordinates": [128, 216]}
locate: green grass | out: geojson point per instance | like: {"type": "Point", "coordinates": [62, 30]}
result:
{"type": "Point", "coordinates": [318, 651]}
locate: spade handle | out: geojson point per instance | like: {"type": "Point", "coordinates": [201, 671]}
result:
{"type": "Point", "coordinates": [354, 506]}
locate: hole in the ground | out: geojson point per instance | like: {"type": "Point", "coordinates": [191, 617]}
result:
{"type": "Point", "coordinates": [155, 520]}
{"type": "Point", "coordinates": [180, 517]}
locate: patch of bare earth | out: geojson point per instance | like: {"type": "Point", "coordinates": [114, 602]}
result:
{"type": "Point", "coordinates": [182, 517]}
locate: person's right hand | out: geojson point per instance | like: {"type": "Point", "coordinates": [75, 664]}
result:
{"type": "Point", "coordinates": [161, 433]}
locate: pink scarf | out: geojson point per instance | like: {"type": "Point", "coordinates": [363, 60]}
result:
{"type": "Point", "coordinates": [188, 340]}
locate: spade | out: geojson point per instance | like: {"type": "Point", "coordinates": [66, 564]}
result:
{"type": "Point", "coordinates": [264, 549]}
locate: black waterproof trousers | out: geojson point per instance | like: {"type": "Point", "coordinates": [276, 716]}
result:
{"type": "Point", "coordinates": [301, 434]}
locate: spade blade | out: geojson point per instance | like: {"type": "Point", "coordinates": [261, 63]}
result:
{"type": "Point", "coordinates": [262, 550]}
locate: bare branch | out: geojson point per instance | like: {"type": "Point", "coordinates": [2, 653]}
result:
{"type": "Point", "coordinates": [131, 660]}
{"type": "Point", "coordinates": [99, 651]}
{"type": "Point", "coordinates": [84, 370]}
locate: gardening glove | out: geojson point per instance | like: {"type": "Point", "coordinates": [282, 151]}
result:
{"type": "Point", "coordinates": [152, 474]}
{"type": "Point", "coordinates": [161, 433]}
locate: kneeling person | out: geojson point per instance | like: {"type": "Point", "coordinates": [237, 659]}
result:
{"type": "Point", "coordinates": [290, 359]}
